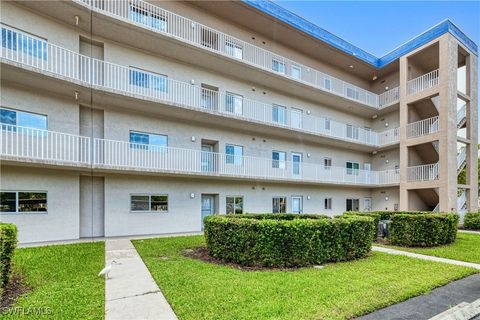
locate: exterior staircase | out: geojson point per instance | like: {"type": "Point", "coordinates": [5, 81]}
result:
{"type": "Point", "coordinates": [462, 205]}
{"type": "Point", "coordinates": [461, 116]}
{"type": "Point", "coordinates": [461, 159]}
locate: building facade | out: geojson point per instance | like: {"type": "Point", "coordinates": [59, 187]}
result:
{"type": "Point", "coordinates": [134, 117]}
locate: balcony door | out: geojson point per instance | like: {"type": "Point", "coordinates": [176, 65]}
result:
{"type": "Point", "coordinates": [208, 206]}
{"type": "Point", "coordinates": [297, 204]}
{"type": "Point", "coordinates": [91, 66]}
{"type": "Point", "coordinates": [207, 158]}
{"type": "Point", "coordinates": [296, 164]}
{"type": "Point", "coordinates": [296, 118]}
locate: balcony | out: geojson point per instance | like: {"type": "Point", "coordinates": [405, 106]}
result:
{"type": "Point", "coordinates": [424, 82]}
{"type": "Point", "coordinates": [41, 146]}
{"type": "Point", "coordinates": [426, 172]}
{"type": "Point", "coordinates": [422, 127]}
{"type": "Point", "coordinates": [148, 16]}
{"type": "Point", "coordinates": [52, 60]}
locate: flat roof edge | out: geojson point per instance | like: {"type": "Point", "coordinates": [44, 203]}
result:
{"type": "Point", "coordinates": [323, 35]}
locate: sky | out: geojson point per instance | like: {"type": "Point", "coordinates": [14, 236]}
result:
{"type": "Point", "coordinates": [378, 27]}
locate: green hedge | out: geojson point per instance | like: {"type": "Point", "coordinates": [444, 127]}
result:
{"type": "Point", "coordinates": [423, 230]}
{"type": "Point", "coordinates": [8, 242]}
{"type": "Point", "coordinates": [472, 221]}
{"type": "Point", "coordinates": [287, 240]}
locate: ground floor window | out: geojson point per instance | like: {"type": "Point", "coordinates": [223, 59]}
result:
{"type": "Point", "coordinates": [353, 204]}
{"type": "Point", "coordinates": [234, 204]}
{"type": "Point", "coordinates": [149, 203]}
{"type": "Point", "coordinates": [279, 205]}
{"type": "Point", "coordinates": [328, 204]}
{"type": "Point", "coordinates": [23, 201]}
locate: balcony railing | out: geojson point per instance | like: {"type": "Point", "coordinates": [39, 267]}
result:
{"type": "Point", "coordinates": [33, 145]}
{"type": "Point", "coordinates": [44, 146]}
{"type": "Point", "coordinates": [426, 172]}
{"type": "Point", "coordinates": [123, 155]}
{"type": "Point", "coordinates": [156, 19]}
{"type": "Point", "coordinates": [52, 59]}
{"type": "Point", "coordinates": [423, 82]}
{"type": "Point", "coordinates": [423, 127]}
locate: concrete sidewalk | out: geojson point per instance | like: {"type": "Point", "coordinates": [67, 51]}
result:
{"type": "Point", "coordinates": [425, 257]}
{"type": "Point", "coordinates": [131, 292]}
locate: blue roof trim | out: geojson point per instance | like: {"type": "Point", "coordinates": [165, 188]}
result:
{"type": "Point", "coordinates": [321, 34]}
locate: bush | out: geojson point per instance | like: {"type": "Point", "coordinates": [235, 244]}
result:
{"type": "Point", "coordinates": [8, 242]}
{"type": "Point", "coordinates": [287, 240]}
{"type": "Point", "coordinates": [423, 230]}
{"type": "Point", "coordinates": [472, 221]}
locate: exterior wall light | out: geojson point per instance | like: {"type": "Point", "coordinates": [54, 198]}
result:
{"type": "Point", "coordinates": [386, 124]}
{"type": "Point", "coordinates": [387, 161]}
{"type": "Point", "coordinates": [77, 20]}
{"type": "Point", "coordinates": [308, 111]}
{"type": "Point", "coordinates": [193, 138]}
{"type": "Point", "coordinates": [192, 81]}
{"type": "Point", "coordinates": [308, 197]}
{"type": "Point", "coordinates": [192, 195]}
{"type": "Point", "coordinates": [308, 155]}
{"type": "Point", "coordinates": [77, 94]}
{"type": "Point", "coordinates": [386, 198]}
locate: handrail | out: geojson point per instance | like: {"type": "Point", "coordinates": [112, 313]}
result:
{"type": "Point", "coordinates": [423, 127]}
{"type": "Point", "coordinates": [461, 157]}
{"type": "Point", "coordinates": [461, 114]}
{"type": "Point", "coordinates": [423, 82]}
{"type": "Point", "coordinates": [124, 155]}
{"type": "Point", "coordinates": [159, 20]}
{"type": "Point", "coordinates": [105, 75]}
{"type": "Point", "coordinates": [426, 172]}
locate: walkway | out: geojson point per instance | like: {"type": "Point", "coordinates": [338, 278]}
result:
{"type": "Point", "coordinates": [425, 257]}
{"type": "Point", "coordinates": [427, 306]}
{"type": "Point", "coordinates": [131, 292]}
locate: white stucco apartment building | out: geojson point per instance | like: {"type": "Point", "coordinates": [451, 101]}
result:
{"type": "Point", "coordinates": [133, 117]}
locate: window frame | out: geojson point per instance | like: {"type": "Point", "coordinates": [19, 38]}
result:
{"type": "Point", "coordinates": [23, 34]}
{"type": "Point", "coordinates": [279, 204]}
{"type": "Point", "coordinates": [354, 131]}
{"type": "Point", "coordinates": [232, 158]}
{"type": "Point", "coordinates": [149, 195]}
{"type": "Point", "coordinates": [17, 202]}
{"type": "Point", "coordinates": [149, 76]}
{"type": "Point", "coordinates": [146, 146]}
{"type": "Point", "coordinates": [299, 68]}
{"type": "Point", "coordinates": [278, 62]}
{"type": "Point", "coordinates": [325, 160]}
{"type": "Point", "coordinates": [279, 107]}
{"type": "Point", "coordinates": [151, 17]}
{"type": "Point", "coordinates": [233, 46]}
{"type": "Point", "coordinates": [352, 171]}
{"type": "Point", "coordinates": [17, 112]}
{"type": "Point", "coordinates": [279, 162]}
{"type": "Point", "coordinates": [329, 86]}
{"type": "Point", "coordinates": [233, 108]}
{"type": "Point", "coordinates": [234, 203]}
{"type": "Point", "coordinates": [327, 203]}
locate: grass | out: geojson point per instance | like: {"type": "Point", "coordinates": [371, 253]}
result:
{"type": "Point", "coordinates": [465, 248]}
{"type": "Point", "coordinates": [200, 290]}
{"type": "Point", "coordinates": [63, 281]}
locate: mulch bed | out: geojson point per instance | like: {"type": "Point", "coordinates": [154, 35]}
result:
{"type": "Point", "coordinates": [14, 289]}
{"type": "Point", "coordinates": [201, 253]}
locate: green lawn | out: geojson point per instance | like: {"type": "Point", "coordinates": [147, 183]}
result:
{"type": "Point", "coordinates": [199, 290]}
{"type": "Point", "coordinates": [465, 248]}
{"type": "Point", "coordinates": [64, 282]}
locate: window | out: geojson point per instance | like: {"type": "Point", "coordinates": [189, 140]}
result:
{"type": "Point", "coordinates": [279, 205]}
{"type": "Point", "coordinates": [209, 97]}
{"type": "Point", "coordinates": [234, 154]}
{"type": "Point", "coordinates": [327, 124]}
{"type": "Point", "coordinates": [148, 18]}
{"type": "Point", "coordinates": [10, 118]}
{"type": "Point", "coordinates": [352, 204]}
{"type": "Point", "coordinates": [327, 84]}
{"type": "Point", "coordinates": [150, 80]}
{"type": "Point", "coordinates": [296, 118]}
{"type": "Point", "coordinates": [296, 72]}
{"type": "Point", "coordinates": [278, 66]}
{"type": "Point", "coordinates": [278, 159]}
{"type": "Point", "coordinates": [234, 49]}
{"type": "Point", "coordinates": [209, 38]}
{"type": "Point", "coordinates": [24, 43]}
{"type": "Point", "coordinates": [233, 103]}
{"type": "Point", "coordinates": [23, 201]}
{"type": "Point", "coordinates": [279, 114]}
{"type": "Point", "coordinates": [328, 204]}
{"type": "Point", "coordinates": [148, 141]}
{"type": "Point", "coordinates": [353, 168]}
{"type": "Point", "coordinates": [327, 163]}
{"type": "Point", "coordinates": [149, 203]}
{"type": "Point", "coordinates": [352, 132]}
{"type": "Point", "coordinates": [395, 207]}
{"type": "Point", "coordinates": [352, 93]}
{"type": "Point", "coordinates": [234, 204]}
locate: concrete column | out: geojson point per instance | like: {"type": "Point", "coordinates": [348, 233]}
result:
{"type": "Point", "coordinates": [448, 124]}
{"type": "Point", "coordinates": [403, 134]}
{"type": "Point", "coordinates": [472, 132]}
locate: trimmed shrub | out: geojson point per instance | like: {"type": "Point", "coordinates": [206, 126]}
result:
{"type": "Point", "coordinates": [423, 230]}
{"type": "Point", "coordinates": [472, 221]}
{"type": "Point", "coordinates": [8, 242]}
{"type": "Point", "coordinates": [287, 240]}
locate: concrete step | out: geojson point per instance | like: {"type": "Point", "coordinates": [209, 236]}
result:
{"type": "Point", "coordinates": [462, 311]}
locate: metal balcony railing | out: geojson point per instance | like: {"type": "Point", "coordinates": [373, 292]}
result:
{"type": "Point", "coordinates": [121, 155]}
{"type": "Point", "coordinates": [42, 145]}
{"type": "Point", "coordinates": [159, 20]}
{"type": "Point", "coordinates": [423, 82]}
{"type": "Point", "coordinates": [423, 127]}
{"type": "Point", "coordinates": [32, 145]}
{"type": "Point", "coordinates": [426, 172]}
{"type": "Point", "coordinates": [54, 60]}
